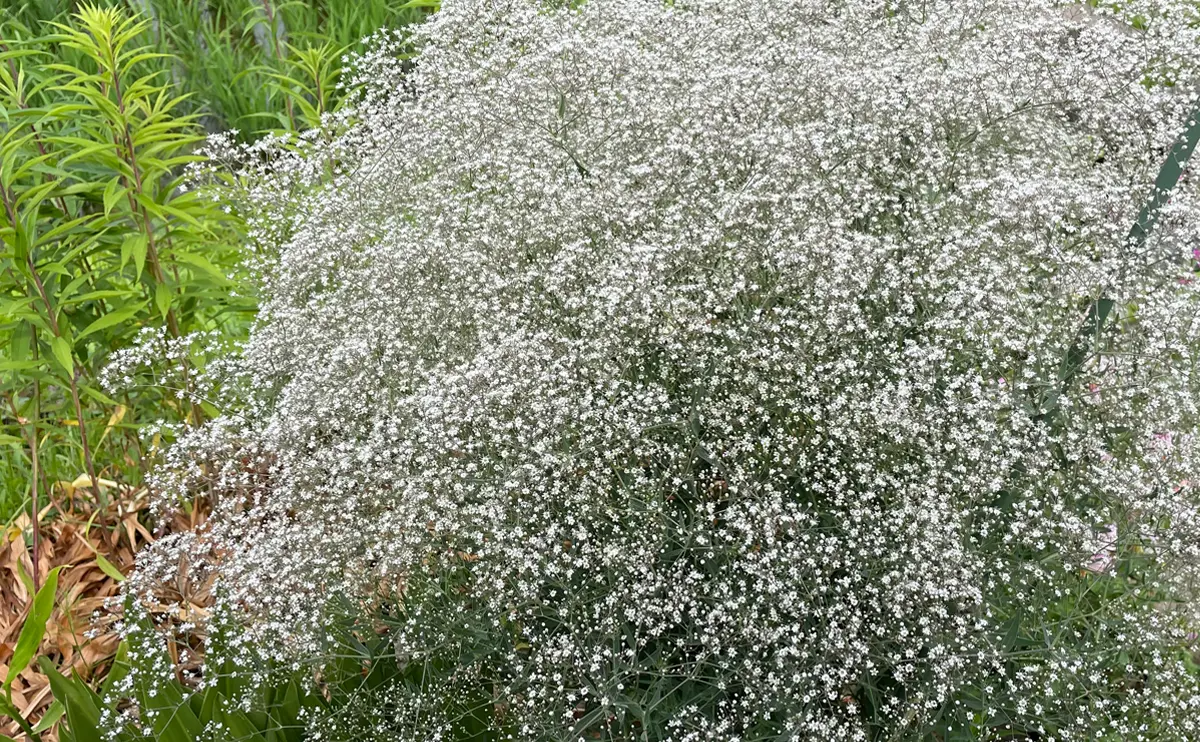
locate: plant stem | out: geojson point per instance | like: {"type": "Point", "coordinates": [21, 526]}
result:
{"type": "Point", "coordinates": [33, 452]}
{"type": "Point", "coordinates": [73, 372]}
{"type": "Point", "coordinates": [73, 377]}
{"type": "Point", "coordinates": [272, 26]}
{"type": "Point", "coordinates": [123, 140]}
{"type": "Point", "coordinates": [33, 457]}
{"type": "Point", "coordinates": [1100, 309]}
{"type": "Point", "coordinates": [7, 707]}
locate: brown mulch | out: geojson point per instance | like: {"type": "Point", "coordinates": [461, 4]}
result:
{"type": "Point", "coordinates": [80, 635]}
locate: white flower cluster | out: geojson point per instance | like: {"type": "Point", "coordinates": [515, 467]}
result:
{"type": "Point", "coordinates": [695, 371]}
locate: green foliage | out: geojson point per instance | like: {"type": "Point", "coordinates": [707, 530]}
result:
{"type": "Point", "coordinates": [102, 108]}
{"type": "Point", "coordinates": [174, 713]}
{"type": "Point", "coordinates": [251, 65]}
{"type": "Point", "coordinates": [33, 629]}
{"type": "Point", "coordinates": [100, 241]}
{"type": "Point", "coordinates": [30, 638]}
{"type": "Point", "coordinates": [100, 112]}
{"type": "Point", "coordinates": [360, 685]}
{"type": "Point", "coordinates": [169, 711]}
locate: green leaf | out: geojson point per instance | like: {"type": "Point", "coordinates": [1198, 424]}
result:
{"type": "Point", "coordinates": [57, 268]}
{"type": "Point", "coordinates": [162, 298]}
{"type": "Point", "coordinates": [98, 395]}
{"type": "Point", "coordinates": [10, 440]}
{"type": "Point", "coordinates": [94, 295]}
{"type": "Point", "coordinates": [1012, 631]}
{"type": "Point", "coordinates": [34, 628]}
{"type": "Point", "coordinates": [119, 669]}
{"type": "Point", "coordinates": [19, 342]}
{"type": "Point", "coordinates": [200, 262]}
{"type": "Point", "coordinates": [133, 247]}
{"type": "Point", "coordinates": [20, 365]}
{"type": "Point", "coordinates": [8, 709]}
{"type": "Point", "coordinates": [69, 290]}
{"type": "Point", "coordinates": [112, 194]}
{"type": "Point", "coordinates": [53, 714]}
{"type": "Point", "coordinates": [25, 579]}
{"type": "Point", "coordinates": [109, 568]}
{"type": "Point", "coordinates": [112, 318]}
{"type": "Point", "coordinates": [62, 353]}
{"type": "Point", "coordinates": [165, 708]}
{"type": "Point", "coordinates": [83, 706]}
{"type": "Point", "coordinates": [210, 701]}
{"type": "Point", "coordinates": [241, 725]}
{"type": "Point", "coordinates": [1100, 309]}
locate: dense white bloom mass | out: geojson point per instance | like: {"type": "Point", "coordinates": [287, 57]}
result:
{"type": "Point", "coordinates": [697, 371]}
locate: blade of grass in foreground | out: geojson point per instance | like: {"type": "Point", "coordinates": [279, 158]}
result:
{"type": "Point", "coordinates": [1101, 309]}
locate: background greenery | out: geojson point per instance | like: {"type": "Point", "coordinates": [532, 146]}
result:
{"type": "Point", "coordinates": [102, 107]}
{"type": "Point", "coordinates": [243, 61]}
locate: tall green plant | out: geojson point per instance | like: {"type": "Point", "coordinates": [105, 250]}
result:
{"type": "Point", "coordinates": [100, 241]}
{"type": "Point", "coordinates": [229, 55]}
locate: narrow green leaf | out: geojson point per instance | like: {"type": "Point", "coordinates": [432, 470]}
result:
{"type": "Point", "coordinates": [1012, 631]}
{"type": "Point", "coordinates": [69, 290]}
{"type": "Point", "coordinates": [200, 262]}
{"type": "Point", "coordinates": [94, 295]}
{"type": "Point", "coordinates": [83, 706]}
{"type": "Point", "coordinates": [8, 709]}
{"type": "Point", "coordinates": [119, 669]}
{"type": "Point", "coordinates": [25, 579]}
{"type": "Point", "coordinates": [62, 353]}
{"type": "Point", "coordinates": [57, 268]}
{"type": "Point", "coordinates": [19, 342]}
{"type": "Point", "coordinates": [242, 725]}
{"type": "Point", "coordinates": [34, 628]}
{"type": "Point", "coordinates": [112, 194]}
{"type": "Point", "coordinates": [162, 298]}
{"type": "Point", "coordinates": [53, 714]}
{"type": "Point", "coordinates": [74, 226]}
{"type": "Point", "coordinates": [19, 365]}
{"type": "Point", "coordinates": [112, 318]}
{"type": "Point", "coordinates": [98, 395]}
{"type": "Point", "coordinates": [109, 568]}
{"type": "Point", "coordinates": [150, 205]}
{"type": "Point", "coordinates": [133, 247]}
{"type": "Point", "coordinates": [164, 706]}
{"type": "Point", "coordinates": [1100, 309]}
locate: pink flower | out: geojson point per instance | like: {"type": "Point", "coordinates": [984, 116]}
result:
{"type": "Point", "coordinates": [1106, 551]}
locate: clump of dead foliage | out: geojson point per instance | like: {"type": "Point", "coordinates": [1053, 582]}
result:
{"type": "Point", "coordinates": [95, 544]}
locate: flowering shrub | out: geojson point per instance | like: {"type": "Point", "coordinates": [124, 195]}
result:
{"type": "Point", "coordinates": [729, 371]}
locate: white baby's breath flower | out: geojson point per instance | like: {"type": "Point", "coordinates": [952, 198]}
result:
{"type": "Point", "coordinates": [695, 371]}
